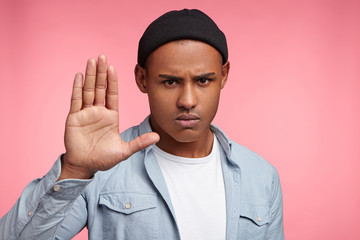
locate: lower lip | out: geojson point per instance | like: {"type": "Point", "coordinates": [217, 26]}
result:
{"type": "Point", "coordinates": [188, 123]}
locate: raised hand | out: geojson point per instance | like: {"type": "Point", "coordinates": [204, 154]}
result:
{"type": "Point", "coordinates": [92, 138]}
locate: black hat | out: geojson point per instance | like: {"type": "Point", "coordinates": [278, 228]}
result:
{"type": "Point", "coordinates": [184, 24]}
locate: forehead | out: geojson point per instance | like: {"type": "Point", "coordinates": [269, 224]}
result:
{"type": "Point", "coordinates": [184, 54]}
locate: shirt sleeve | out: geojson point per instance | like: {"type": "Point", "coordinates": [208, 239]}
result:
{"type": "Point", "coordinates": [75, 221]}
{"type": "Point", "coordinates": [276, 227]}
{"type": "Point", "coordinates": [43, 206]}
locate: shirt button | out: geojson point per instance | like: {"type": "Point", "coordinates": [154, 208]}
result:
{"type": "Point", "coordinates": [259, 219]}
{"type": "Point", "coordinates": [127, 205]}
{"type": "Point", "coordinates": [236, 177]}
{"type": "Point", "coordinates": [234, 213]}
{"type": "Point", "coordinates": [30, 213]}
{"type": "Point", "coordinates": [56, 188]}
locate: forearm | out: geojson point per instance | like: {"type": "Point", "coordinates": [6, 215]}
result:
{"type": "Point", "coordinates": [42, 207]}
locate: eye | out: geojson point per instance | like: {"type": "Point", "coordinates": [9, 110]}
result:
{"type": "Point", "coordinates": [203, 81]}
{"type": "Point", "coordinates": [170, 83]}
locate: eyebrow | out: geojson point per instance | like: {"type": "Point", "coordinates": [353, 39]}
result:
{"type": "Point", "coordinates": [175, 78]}
{"type": "Point", "coordinates": [170, 77]}
{"type": "Point", "coordinates": [205, 75]}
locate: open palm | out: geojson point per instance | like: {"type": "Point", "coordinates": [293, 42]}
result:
{"type": "Point", "coordinates": [92, 138]}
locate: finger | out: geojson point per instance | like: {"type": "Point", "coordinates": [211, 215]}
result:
{"type": "Point", "coordinates": [112, 89]}
{"type": "Point", "coordinates": [76, 97]}
{"type": "Point", "coordinates": [100, 85]}
{"type": "Point", "coordinates": [89, 84]}
{"type": "Point", "coordinates": [141, 142]}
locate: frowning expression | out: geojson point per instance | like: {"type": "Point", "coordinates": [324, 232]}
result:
{"type": "Point", "coordinates": [183, 80]}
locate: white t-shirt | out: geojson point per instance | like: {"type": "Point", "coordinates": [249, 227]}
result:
{"type": "Point", "coordinates": [196, 188]}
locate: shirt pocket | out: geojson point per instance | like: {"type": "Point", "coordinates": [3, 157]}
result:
{"type": "Point", "coordinates": [253, 221]}
{"type": "Point", "coordinates": [128, 215]}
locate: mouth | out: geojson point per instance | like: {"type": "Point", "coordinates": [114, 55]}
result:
{"type": "Point", "coordinates": [187, 120]}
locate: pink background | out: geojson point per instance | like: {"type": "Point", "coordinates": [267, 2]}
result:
{"type": "Point", "coordinates": [293, 95]}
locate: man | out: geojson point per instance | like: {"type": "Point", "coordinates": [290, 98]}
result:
{"type": "Point", "coordinates": [182, 178]}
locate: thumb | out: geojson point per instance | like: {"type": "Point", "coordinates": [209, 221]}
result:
{"type": "Point", "coordinates": [141, 142]}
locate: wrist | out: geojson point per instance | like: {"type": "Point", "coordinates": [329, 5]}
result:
{"type": "Point", "coordinates": [69, 171]}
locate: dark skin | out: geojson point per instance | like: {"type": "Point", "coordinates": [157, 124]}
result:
{"type": "Point", "coordinates": [92, 139]}
{"type": "Point", "coordinates": [189, 75]}
{"type": "Point", "coordinates": [183, 81]}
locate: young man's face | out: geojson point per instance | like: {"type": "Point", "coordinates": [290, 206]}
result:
{"type": "Point", "coordinates": [183, 80]}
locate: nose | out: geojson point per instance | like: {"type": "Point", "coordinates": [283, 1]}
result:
{"type": "Point", "coordinates": [187, 98]}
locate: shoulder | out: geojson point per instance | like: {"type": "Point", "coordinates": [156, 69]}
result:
{"type": "Point", "coordinates": [260, 178]}
{"type": "Point", "coordinates": [130, 133]}
{"type": "Point", "coordinates": [249, 160]}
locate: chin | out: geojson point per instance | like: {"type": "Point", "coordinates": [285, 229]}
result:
{"type": "Point", "coordinates": [187, 136]}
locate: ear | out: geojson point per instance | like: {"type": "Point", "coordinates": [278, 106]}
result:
{"type": "Point", "coordinates": [140, 78]}
{"type": "Point", "coordinates": [224, 73]}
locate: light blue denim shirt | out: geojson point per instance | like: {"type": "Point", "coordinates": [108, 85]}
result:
{"type": "Point", "coordinates": [131, 200]}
